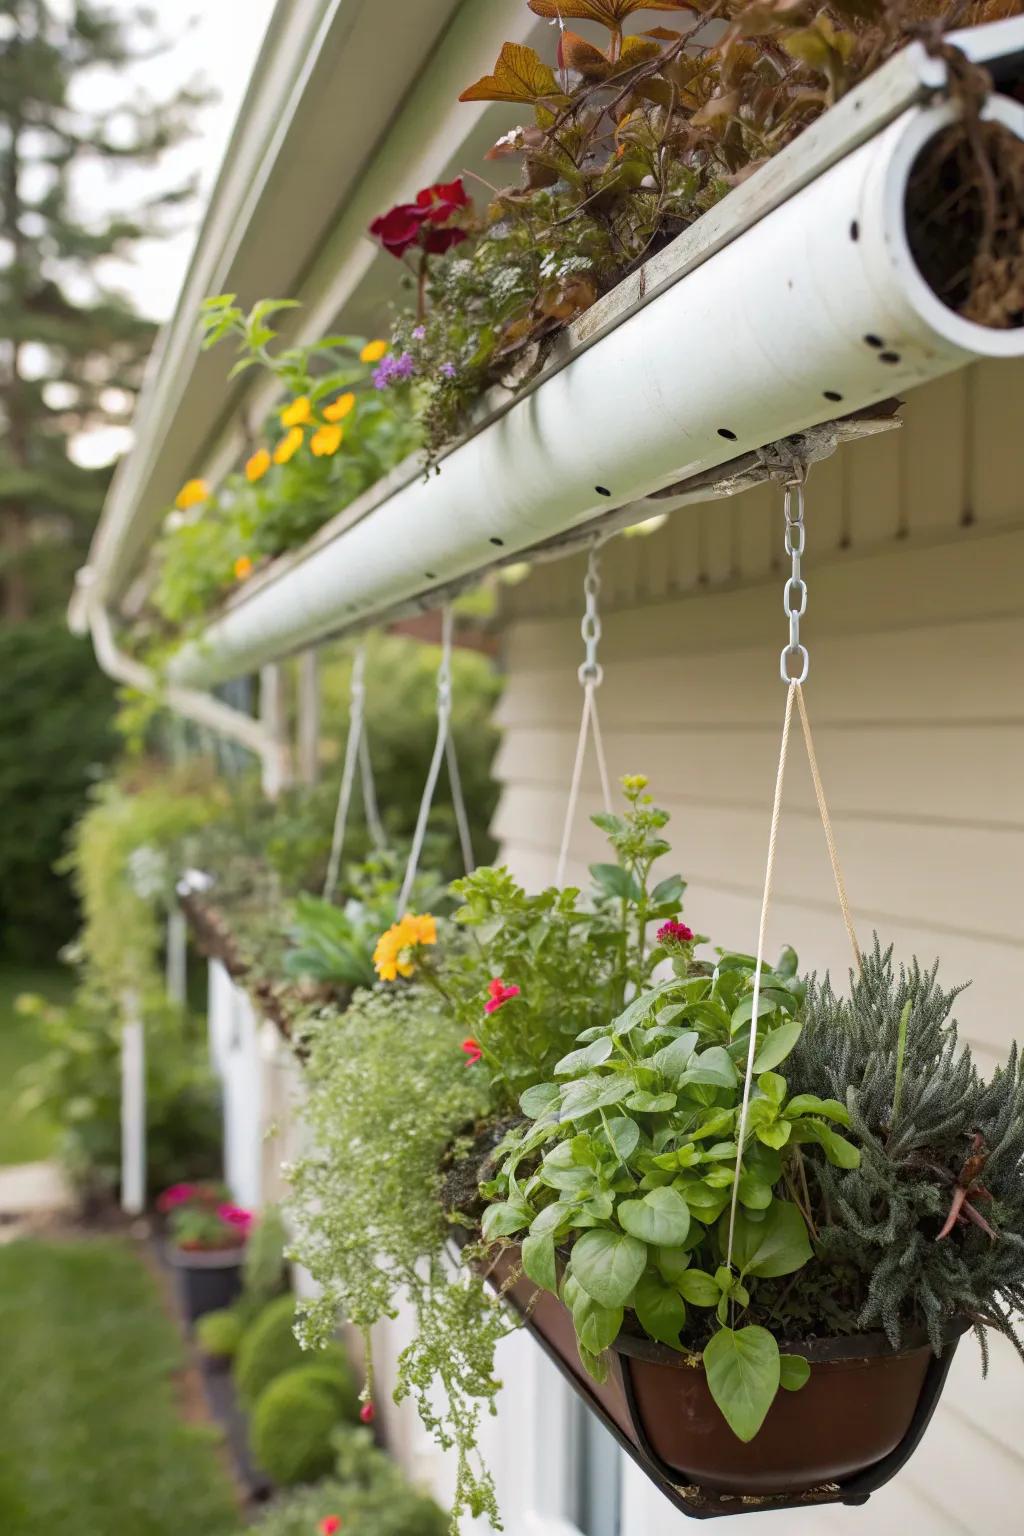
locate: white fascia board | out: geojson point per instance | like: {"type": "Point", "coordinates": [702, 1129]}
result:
{"type": "Point", "coordinates": [322, 102]}
{"type": "Point", "coordinates": [759, 324]}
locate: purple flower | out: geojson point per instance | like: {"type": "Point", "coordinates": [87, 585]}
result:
{"type": "Point", "coordinates": [448, 370]}
{"type": "Point", "coordinates": [419, 333]}
{"type": "Point", "coordinates": [394, 370]}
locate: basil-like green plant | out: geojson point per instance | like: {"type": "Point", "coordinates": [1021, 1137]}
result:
{"type": "Point", "coordinates": [333, 945]}
{"type": "Point", "coordinates": [622, 1181]}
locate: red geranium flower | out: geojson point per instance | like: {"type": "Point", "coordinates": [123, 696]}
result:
{"type": "Point", "coordinates": [436, 241]}
{"type": "Point", "coordinates": [367, 1413]}
{"type": "Point", "coordinates": [442, 200]}
{"type": "Point", "coordinates": [472, 1050]}
{"type": "Point", "coordinates": [500, 995]}
{"type": "Point", "coordinates": [399, 228]}
{"type": "Point", "coordinates": [329, 1525]}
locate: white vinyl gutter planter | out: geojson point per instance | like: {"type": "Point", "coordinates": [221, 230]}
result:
{"type": "Point", "coordinates": [795, 301]}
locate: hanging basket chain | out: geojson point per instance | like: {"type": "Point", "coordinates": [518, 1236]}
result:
{"type": "Point", "coordinates": [444, 748]}
{"type": "Point", "coordinates": [794, 664]}
{"type": "Point", "coordinates": [357, 704]}
{"type": "Point", "coordinates": [370, 806]}
{"type": "Point", "coordinates": [591, 676]}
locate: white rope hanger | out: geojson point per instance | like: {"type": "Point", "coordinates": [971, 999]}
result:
{"type": "Point", "coordinates": [591, 676]}
{"type": "Point", "coordinates": [357, 755]}
{"type": "Point", "coordinates": [444, 751]}
{"type": "Point", "coordinates": [794, 664]}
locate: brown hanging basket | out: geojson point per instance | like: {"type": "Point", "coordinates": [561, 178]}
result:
{"type": "Point", "coordinates": [840, 1438]}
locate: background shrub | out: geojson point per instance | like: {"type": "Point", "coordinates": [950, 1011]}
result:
{"type": "Point", "coordinates": [219, 1333]}
{"type": "Point", "coordinates": [56, 733]}
{"type": "Point", "coordinates": [369, 1493]}
{"type": "Point", "coordinates": [268, 1348]}
{"type": "Point", "coordinates": [291, 1427]}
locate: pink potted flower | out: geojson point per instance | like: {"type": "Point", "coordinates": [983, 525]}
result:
{"type": "Point", "coordinates": [206, 1235]}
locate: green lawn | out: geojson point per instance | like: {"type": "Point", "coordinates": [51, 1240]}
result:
{"type": "Point", "coordinates": [92, 1442]}
{"type": "Point", "coordinates": [23, 1138]}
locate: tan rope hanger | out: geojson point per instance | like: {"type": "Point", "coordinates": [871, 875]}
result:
{"type": "Point", "coordinates": [793, 654]}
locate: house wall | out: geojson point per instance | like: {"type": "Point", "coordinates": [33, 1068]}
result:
{"type": "Point", "coordinates": [915, 624]}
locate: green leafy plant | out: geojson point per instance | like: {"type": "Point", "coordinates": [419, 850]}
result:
{"type": "Point", "coordinates": [622, 1182]}
{"type": "Point", "coordinates": [333, 945]}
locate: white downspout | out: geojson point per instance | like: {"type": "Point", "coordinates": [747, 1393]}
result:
{"type": "Point", "coordinates": [89, 615]}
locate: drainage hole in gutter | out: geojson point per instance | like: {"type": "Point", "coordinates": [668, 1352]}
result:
{"type": "Point", "coordinates": [429, 575]}
{"type": "Point", "coordinates": [874, 341]}
{"type": "Point", "coordinates": [602, 490]}
{"type": "Point", "coordinates": [855, 230]}
{"type": "Point", "coordinates": [832, 394]}
{"type": "Point", "coordinates": [888, 357]}
{"type": "Point", "coordinates": [499, 543]}
{"type": "Point", "coordinates": [729, 436]}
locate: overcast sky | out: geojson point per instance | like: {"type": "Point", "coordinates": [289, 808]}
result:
{"type": "Point", "coordinates": [212, 40]}
{"type": "Point", "coordinates": [214, 43]}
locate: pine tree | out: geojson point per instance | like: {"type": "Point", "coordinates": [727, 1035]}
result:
{"type": "Point", "coordinates": [71, 349]}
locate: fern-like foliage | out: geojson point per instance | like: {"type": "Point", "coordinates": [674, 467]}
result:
{"type": "Point", "coordinates": [933, 1219]}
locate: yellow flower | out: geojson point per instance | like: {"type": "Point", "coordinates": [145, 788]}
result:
{"type": "Point", "coordinates": [298, 413]}
{"type": "Point", "coordinates": [191, 494]}
{"type": "Point", "coordinates": [326, 440]}
{"type": "Point", "coordinates": [339, 409]}
{"type": "Point", "coordinates": [393, 954]}
{"type": "Point", "coordinates": [289, 446]}
{"type": "Point", "coordinates": [257, 466]}
{"type": "Point", "coordinates": [373, 351]}
{"type": "Point", "coordinates": [243, 567]}
{"type": "Point", "coordinates": [633, 783]}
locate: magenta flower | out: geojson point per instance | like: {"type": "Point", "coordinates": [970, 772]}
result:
{"type": "Point", "coordinates": [500, 995]}
{"type": "Point", "coordinates": [672, 933]}
{"type": "Point", "coordinates": [235, 1216]}
{"type": "Point", "coordinates": [472, 1050]}
{"type": "Point", "coordinates": [367, 1413]}
{"type": "Point", "coordinates": [177, 1194]}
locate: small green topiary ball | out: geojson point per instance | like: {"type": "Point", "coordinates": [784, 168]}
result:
{"type": "Point", "coordinates": [292, 1425]}
{"type": "Point", "coordinates": [219, 1334]}
{"type": "Point", "coordinates": [268, 1348]}
{"type": "Point", "coordinates": [330, 1367]}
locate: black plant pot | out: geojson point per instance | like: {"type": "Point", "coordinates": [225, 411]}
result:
{"type": "Point", "coordinates": [208, 1278]}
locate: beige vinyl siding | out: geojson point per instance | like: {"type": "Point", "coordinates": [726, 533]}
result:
{"type": "Point", "coordinates": [915, 623]}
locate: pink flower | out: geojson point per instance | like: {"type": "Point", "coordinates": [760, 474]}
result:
{"type": "Point", "coordinates": [671, 933]}
{"type": "Point", "coordinates": [235, 1216]}
{"type": "Point", "coordinates": [472, 1050]}
{"type": "Point", "coordinates": [178, 1194]}
{"type": "Point", "coordinates": [367, 1413]}
{"type": "Point", "coordinates": [329, 1525]}
{"type": "Point", "coordinates": [500, 995]}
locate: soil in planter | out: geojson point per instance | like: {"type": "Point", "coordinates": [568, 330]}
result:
{"type": "Point", "coordinates": [469, 1163]}
{"type": "Point", "coordinates": [965, 221]}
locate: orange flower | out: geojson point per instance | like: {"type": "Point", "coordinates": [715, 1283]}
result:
{"type": "Point", "coordinates": [257, 466]}
{"type": "Point", "coordinates": [326, 440]}
{"type": "Point", "coordinates": [373, 351]}
{"type": "Point", "coordinates": [243, 567]}
{"type": "Point", "coordinates": [393, 956]}
{"type": "Point", "coordinates": [191, 494]}
{"type": "Point", "coordinates": [340, 408]}
{"type": "Point", "coordinates": [298, 413]}
{"type": "Point", "coordinates": [289, 446]}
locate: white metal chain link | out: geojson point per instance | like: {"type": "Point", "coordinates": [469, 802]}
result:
{"type": "Point", "coordinates": [591, 670]}
{"type": "Point", "coordinates": [794, 594]}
